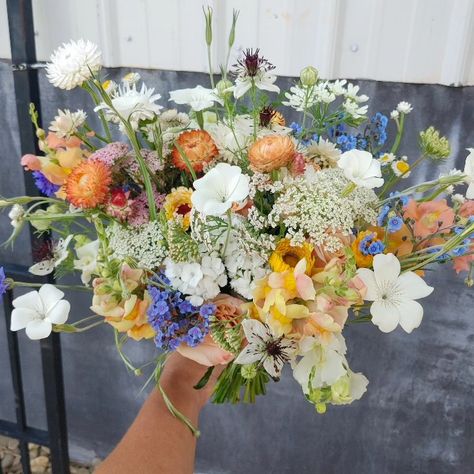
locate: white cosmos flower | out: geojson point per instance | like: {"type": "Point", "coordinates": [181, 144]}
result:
{"type": "Point", "coordinates": [132, 104]}
{"type": "Point", "coordinates": [322, 362]}
{"type": "Point", "coordinates": [73, 63]}
{"type": "Point", "coordinates": [37, 311]}
{"type": "Point", "coordinates": [219, 188]}
{"type": "Point", "coordinates": [199, 98]}
{"type": "Point", "coordinates": [404, 107]}
{"type": "Point", "coordinates": [393, 295]}
{"type": "Point", "coordinates": [265, 348]}
{"type": "Point", "coordinates": [66, 123]}
{"type": "Point", "coordinates": [87, 260]}
{"type": "Point", "coordinates": [361, 168]}
{"type": "Point", "coordinates": [59, 253]}
{"type": "Point", "coordinates": [469, 172]}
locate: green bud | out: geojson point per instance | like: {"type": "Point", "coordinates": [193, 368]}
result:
{"type": "Point", "coordinates": [248, 371]}
{"type": "Point", "coordinates": [223, 87]}
{"type": "Point", "coordinates": [138, 372]}
{"type": "Point", "coordinates": [235, 16]}
{"type": "Point", "coordinates": [321, 408]}
{"type": "Point", "coordinates": [40, 134]}
{"type": "Point", "coordinates": [309, 76]}
{"type": "Point", "coordinates": [433, 145]}
{"type": "Point", "coordinates": [208, 19]}
{"type": "Point", "coordinates": [81, 240]}
{"type": "Point", "coordinates": [40, 224]}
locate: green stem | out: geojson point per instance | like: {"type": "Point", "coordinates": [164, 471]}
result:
{"type": "Point", "coordinates": [105, 124]}
{"type": "Point", "coordinates": [14, 283]}
{"type": "Point", "coordinates": [398, 138]}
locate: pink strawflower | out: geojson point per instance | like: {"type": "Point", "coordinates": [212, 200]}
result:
{"type": "Point", "coordinates": [111, 153]}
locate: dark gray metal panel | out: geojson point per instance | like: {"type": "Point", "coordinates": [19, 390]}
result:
{"type": "Point", "coordinates": [418, 414]}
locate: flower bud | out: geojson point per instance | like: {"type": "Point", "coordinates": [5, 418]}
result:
{"type": "Point", "coordinates": [433, 145]}
{"type": "Point", "coordinates": [309, 76]}
{"type": "Point", "coordinates": [248, 371]}
{"type": "Point", "coordinates": [223, 88]}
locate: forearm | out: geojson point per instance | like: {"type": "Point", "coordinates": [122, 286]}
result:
{"type": "Point", "coordinates": [157, 442]}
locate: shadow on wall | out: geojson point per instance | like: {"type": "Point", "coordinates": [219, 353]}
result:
{"type": "Point", "coordinates": [418, 413]}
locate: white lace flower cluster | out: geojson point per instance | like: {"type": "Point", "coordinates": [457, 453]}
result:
{"type": "Point", "coordinates": [314, 206]}
{"type": "Point", "coordinates": [198, 281]}
{"type": "Point", "coordinates": [303, 97]}
{"type": "Point", "coordinates": [142, 244]}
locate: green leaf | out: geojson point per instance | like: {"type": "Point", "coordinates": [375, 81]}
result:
{"type": "Point", "coordinates": [204, 379]}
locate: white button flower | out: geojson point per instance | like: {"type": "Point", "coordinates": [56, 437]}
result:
{"type": "Point", "coordinates": [218, 189]}
{"type": "Point", "coordinates": [404, 107]}
{"type": "Point", "coordinates": [37, 311]}
{"type": "Point", "coordinates": [393, 295]}
{"type": "Point", "coordinates": [199, 98]}
{"type": "Point", "coordinates": [265, 348]}
{"type": "Point", "coordinates": [361, 168]}
{"type": "Point", "coordinates": [469, 172]}
{"type": "Point", "coordinates": [87, 260]}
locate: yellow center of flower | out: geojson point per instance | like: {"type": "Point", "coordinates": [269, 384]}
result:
{"type": "Point", "coordinates": [403, 166]}
{"type": "Point", "coordinates": [285, 256]}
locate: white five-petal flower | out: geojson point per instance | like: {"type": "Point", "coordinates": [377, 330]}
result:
{"type": "Point", "coordinates": [361, 168]}
{"type": "Point", "coordinates": [265, 348]}
{"type": "Point", "coordinates": [37, 311]}
{"type": "Point", "coordinates": [469, 172]}
{"type": "Point", "coordinates": [198, 98]}
{"type": "Point", "coordinates": [263, 80]}
{"type": "Point", "coordinates": [393, 295]}
{"type": "Point", "coordinates": [219, 188]}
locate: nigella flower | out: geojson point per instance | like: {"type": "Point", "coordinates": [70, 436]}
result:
{"type": "Point", "coordinates": [175, 320]}
{"type": "Point", "coordinates": [44, 185]}
{"type": "Point", "coordinates": [265, 348]}
{"type": "Point", "coordinates": [3, 282]}
{"type": "Point", "coordinates": [253, 70]}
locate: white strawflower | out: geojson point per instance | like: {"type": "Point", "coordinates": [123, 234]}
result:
{"type": "Point", "coordinates": [131, 78]}
{"type": "Point", "coordinates": [66, 123]}
{"type": "Point", "coordinates": [73, 63]}
{"type": "Point", "coordinates": [404, 107]}
{"type": "Point", "coordinates": [394, 114]}
{"type": "Point", "coordinates": [323, 152]}
{"type": "Point", "coordinates": [131, 104]}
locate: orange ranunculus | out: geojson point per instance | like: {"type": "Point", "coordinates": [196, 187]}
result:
{"type": "Point", "coordinates": [197, 146]}
{"type": "Point", "coordinates": [271, 152]}
{"type": "Point", "coordinates": [429, 217]}
{"type": "Point", "coordinates": [208, 353]}
{"type": "Point", "coordinates": [88, 184]}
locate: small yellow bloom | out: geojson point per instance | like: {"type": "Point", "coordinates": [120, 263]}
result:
{"type": "Point", "coordinates": [285, 256]}
{"type": "Point", "coordinates": [178, 203]}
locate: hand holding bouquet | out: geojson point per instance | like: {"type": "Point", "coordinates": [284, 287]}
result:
{"type": "Point", "coordinates": [225, 234]}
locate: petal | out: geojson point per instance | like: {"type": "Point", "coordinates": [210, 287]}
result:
{"type": "Point", "coordinates": [241, 87]}
{"type": "Point", "coordinates": [50, 295]}
{"type": "Point", "coordinates": [255, 331]}
{"type": "Point", "coordinates": [21, 317]}
{"type": "Point", "coordinates": [303, 370]}
{"type": "Point", "coordinates": [59, 313]}
{"type": "Point", "coordinates": [305, 287]}
{"type": "Point", "coordinates": [385, 315]}
{"type": "Point", "coordinates": [30, 300]}
{"type": "Point", "coordinates": [359, 384]}
{"type": "Point", "coordinates": [249, 355]}
{"type": "Point", "coordinates": [39, 329]}
{"type": "Point", "coordinates": [386, 269]}
{"type": "Point", "coordinates": [411, 314]}
{"type": "Point", "coordinates": [42, 268]}
{"type": "Point", "coordinates": [413, 286]}
{"type": "Point", "coordinates": [273, 366]}
{"type": "Point", "coordinates": [368, 277]}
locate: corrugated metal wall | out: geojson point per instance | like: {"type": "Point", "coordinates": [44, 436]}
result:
{"type": "Point", "coordinates": [428, 41]}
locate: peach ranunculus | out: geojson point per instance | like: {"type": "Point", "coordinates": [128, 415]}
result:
{"type": "Point", "coordinates": [271, 152]}
{"type": "Point", "coordinates": [208, 353]}
{"type": "Point", "coordinates": [430, 217]}
{"type": "Point", "coordinates": [197, 146]}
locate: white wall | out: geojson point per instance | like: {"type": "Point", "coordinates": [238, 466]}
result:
{"type": "Point", "coordinates": [428, 41]}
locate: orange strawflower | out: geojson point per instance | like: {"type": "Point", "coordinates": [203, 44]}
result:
{"type": "Point", "coordinates": [88, 184]}
{"type": "Point", "coordinates": [199, 148]}
{"type": "Point", "coordinates": [271, 152]}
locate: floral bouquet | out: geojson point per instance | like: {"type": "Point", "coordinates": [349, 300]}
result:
{"type": "Point", "coordinates": [223, 233]}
